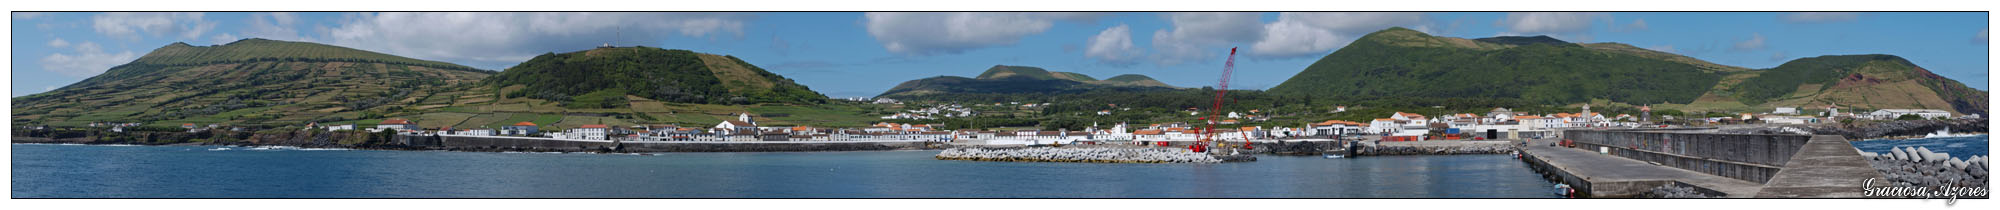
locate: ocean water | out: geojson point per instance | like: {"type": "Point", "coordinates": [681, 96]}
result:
{"type": "Point", "coordinates": [85, 171]}
{"type": "Point", "coordinates": [1959, 147]}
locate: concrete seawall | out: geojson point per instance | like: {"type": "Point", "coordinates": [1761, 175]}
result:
{"type": "Point", "coordinates": [1629, 163]}
{"type": "Point", "coordinates": [1749, 157]}
{"type": "Point", "coordinates": [489, 143]}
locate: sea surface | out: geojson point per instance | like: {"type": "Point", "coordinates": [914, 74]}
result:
{"type": "Point", "coordinates": [1959, 147]}
{"type": "Point", "coordinates": [96, 171]}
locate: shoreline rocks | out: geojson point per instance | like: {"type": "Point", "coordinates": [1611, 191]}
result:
{"type": "Point", "coordinates": [1920, 167]}
{"type": "Point", "coordinates": [1671, 191]}
{"type": "Point", "coordinates": [1074, 154]}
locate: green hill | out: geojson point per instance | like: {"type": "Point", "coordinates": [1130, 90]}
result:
{"type": "Point", "coordinates": [1406, 63]}
{"type": "Point", "coordinates": [1134, 80]}
{"type": "Point", "coordinates": [247, 82]}
{"type": "Point", "coordinates": [1859, 81]}
{"type": "Point", "coordinates": [603, 77]}
{"type": "Point", "coordinates": [1003, 79]}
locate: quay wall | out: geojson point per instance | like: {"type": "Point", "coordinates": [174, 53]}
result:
{"type": "Point", "coordinates": [1748, 157]}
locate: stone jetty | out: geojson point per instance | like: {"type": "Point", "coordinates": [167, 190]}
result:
{"type": "Point", "coordinates": [1079, 154]}
{"type": "Point", "coordinates": [1439, 148]}
{"type": "Point", "coordinates": [1921, 167]}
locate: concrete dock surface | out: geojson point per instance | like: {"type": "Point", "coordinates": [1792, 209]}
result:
{"type": "Point", "coordinates": [1613, 176]}
{"type": "Point", "coordinates": [1828, 166]}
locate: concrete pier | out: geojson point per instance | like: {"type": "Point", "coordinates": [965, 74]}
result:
{"type": "Point", "coordinates": [1627, 163]}
{"type": "Point", "coordinates": [1605, 176]}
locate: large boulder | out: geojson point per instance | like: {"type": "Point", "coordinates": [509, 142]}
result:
{"type": "Point", "coordinates": [1899, 153]}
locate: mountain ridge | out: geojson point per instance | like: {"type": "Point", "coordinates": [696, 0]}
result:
{"type": "Point", "coordinates": [1018, 79]}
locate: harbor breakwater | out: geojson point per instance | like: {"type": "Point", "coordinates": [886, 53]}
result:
{"type": "Point", "coordinates": [1352, 148]}
{"type": "Point", "coordinates": [1085, 154]}
{"type": "Point", "coordinates": [1448, 148]}
{"type": "Point", "coordinates": [1920, 167]}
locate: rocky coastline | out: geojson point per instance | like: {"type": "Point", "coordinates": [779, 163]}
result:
{"type": "Point", "coordinates": [1873, 130]}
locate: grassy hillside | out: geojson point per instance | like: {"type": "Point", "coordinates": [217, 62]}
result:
{"type": "Point", "coordinates": [590, 78]}
{"type": "Point", "coordinates": [1134, 80]}
{"type": "Point", "coordinates": [1407, 63]}
{"type": "Point", "coordinates": [1860, 81]}
{"type": "Point", "coordinates": [269, 84]}
{"type": "Point", "coordinates": [1653, 54]}
{"type": "Point", "coordinates": [248, 82]}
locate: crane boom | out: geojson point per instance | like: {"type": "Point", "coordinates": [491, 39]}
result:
{"type": "Point", "coordinates": [1215, 111]}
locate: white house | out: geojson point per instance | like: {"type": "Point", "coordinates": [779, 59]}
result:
{"type": "Point", "coordinates": [742, 125]}
{"type": "Point", "coordinates": [340, 127]}
{"type": "Point", "coordinates": [1384, 126]}
{"type": "Point", "coordinates": [397, 123]}
{"type": "Point", "coordinates": [1786, 110]}
{"type": "Point", "coordinates": [1886, 114]}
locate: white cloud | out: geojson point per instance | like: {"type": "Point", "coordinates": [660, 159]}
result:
{"type": "Point", "coordinates": [1636, 25]}
{"type": "Point", "coordinates": [1566, 25]}
{"type": "Point", "coordinates": [1819, 17]}
{"type": "Point", "coordinates": [495, 38]}
{"type": "Point", "coordinates": [86, 59]}
{"type": "Point", "coordinates": [925, 33]}
{"type": "Point", "coordinates": [274, 25]}
{"type": "Point", "coordinates": [1113, 46]}
{"type": "Point", "coordinates": [1315, 33]}
{"type": "Point", "coordinates": [182, 25]}
{"type": "Point", "coordinates": [1755, 42]}
{"type": "Point", "coordinates": [1293, 38]}
{"type": "Point", "coordinates": [1201, 35]}
{"type": "Point", "coordinates": [1981, 38]}
{"type": "Point", "coordinates": [58, 43]}
{"type": "Point", "coordinates": [28, 15]}
{"type": "Point", "coordinates": [1550, 22]}
{"type": "Point", "coordinates": [224, 38]}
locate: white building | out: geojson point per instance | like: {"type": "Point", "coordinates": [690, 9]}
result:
{"type": "Point", "coordinates": [401, 125]}
{"type": "Point", "coordinates": [477, 132]}
{"type": "Point", "coordinates": [340, 127]}
{"type": "Point", "coordinates": [1786, 110]}
{"type": "Point", "coordinates": [1887, 114]}
{"type": "Point", "coordinates": [589, 132]}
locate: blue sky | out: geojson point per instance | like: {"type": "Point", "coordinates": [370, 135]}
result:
{"type": "Point", "coordinates": [846, 54]}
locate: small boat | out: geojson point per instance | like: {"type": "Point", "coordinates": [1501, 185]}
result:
{"type": "Point", "coordinates": [1333, 156]}
{"type": "Point", "coordinates": [1565, 191]}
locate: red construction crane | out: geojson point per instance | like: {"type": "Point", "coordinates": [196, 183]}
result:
{"type": "Point", "coordinates": [1214, 114]}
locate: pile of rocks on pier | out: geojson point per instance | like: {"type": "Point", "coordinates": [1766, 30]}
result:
{"type": "Point", "coordinates": [1671, 191]}
{"type": "Point", "coordinates": [1072, 154]}
{"type": "Point", "coordinates": [1920, 167]}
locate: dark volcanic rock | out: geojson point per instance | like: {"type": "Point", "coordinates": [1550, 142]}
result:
{"type": "Point", "coordinates": [1900, 128]}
